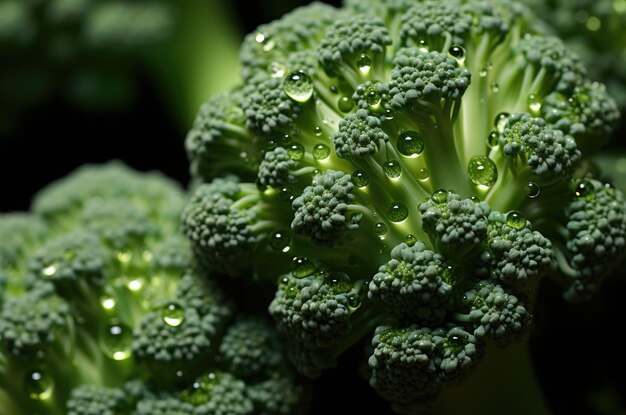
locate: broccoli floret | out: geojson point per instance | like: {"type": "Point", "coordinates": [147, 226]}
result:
{"type": "Point", "coordinates": [249, 348]}
{"type": "Point", "coordinates": [104, 309]}
{"type": "Point", "coordinates": [597, 236]}
{"type": "Point", "coordinates": [34, 321]}
{"type": "Point", "coordinates": [515, 253]}
{"type": "Point", "coordinates": [588, 114]}
{"type": "Point", "coordinates": [277, 396]}
{"type": "Point", "coordinates": [410, 364]}
{"type": "Point", "coordinates": [97, 400]}
{"type": "Point", "coordinates": [21, 233]}
{"type": "Point", "coordinates": [497, 314]}
{"type": "Point", "coordinates": [416, 175]}
{"type": "Point", "coordinates": [163, 405]}
{"type": "Point", "coordinates": [455, 224]}
{"type": "Point", "coordinates": [214, 144]}
{"type": "Point", "coordinates": [114, 25]}
{"type": "Point", "coordinates": [359, 134]}
{"type": "Point", "coordinates": [322, 213]}
{"type": "Point", "coordinates": [315, 308]}
{"type": "Point", "coordinates": [174, 337]}
{"type": "Point", "coordinates": [546, 151]}
{"type": "Point", "coordinates": [597, 34]}
{"type": "Point", "coordinates": [355, 49]}
{"type": "Point", "coordinates": [416, 284]}
{"type": "Point", "coordinates": [218, 393]}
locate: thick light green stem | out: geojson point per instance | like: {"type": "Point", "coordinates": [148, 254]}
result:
{"type": "Point", "coordinates": [504, 382]}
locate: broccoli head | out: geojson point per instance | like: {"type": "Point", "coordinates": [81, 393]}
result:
{"type": "Point", "coordinates": [103, 310]}
{"type": "Point", "coordinates": [412, 171]}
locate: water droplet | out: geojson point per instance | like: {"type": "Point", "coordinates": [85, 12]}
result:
{"type": "Point", "coordinates": [392, 169]}
{"type": "Point", "coordinates": [279, 241]}
{"type": "Point", "coordinates": [199, 393]}
{"type": "Point", "coordinates": [495, 87]}
{"type": "Point", "coordinates": [423, 45]}
{"type": "Point", "coordinates": [458, 53]}
{"type": "Point", "coordinates": [38, 384]}
{"type": "Point", "coordinates": [532, 190]}
{"type": "Point", "coordinates": [116, 341]}
{"type": "Point", "coordinates": [146, 256]}
{"type": "Point", "coordinates": [364, 64]}
{"type": "Point", "coordinates": [302, 267]}
{"type": "Point", "coordinates": [389, 114]}
{"type": "Point", "coordinates": [50, 270]}
{"type": "Point", "coordinates": [107, 302]}
{"type": "Point", "coordinates": [373, 98]}
{"type": "Point", "coordinates": [354, 301]}
{"type": "Point", "coordinates": [534, 104]}
{"type": "Point", "coordinates": [298, 86]}
{"type": "Point", "coordinates": [583, 188]}
{"type": "Point", "coordinates": [295, 151]}
{"type": "Point", "coordinates": [135, 284]}
{"type": "Point", "coordinates": [516, 220]}
{"type": "Point", "coordinates": [501, 121]}
{"type": "Point", "coordinates": [360, 179]}
{"type": "Point", "coordinates": [276, 70]}
{"type": "Point", "coordinates": [493, 139]}
{"type": "Point", "coordinates": [397, 212]}
{"type": "Point", "coordinates": [593, 24]}
{"type": "Point", "coordinates": [317, 131]}
{"type": "Point", "coordinates": [410, 143]}
{"type": "Point", "coordinates": [284, 139]}
{"type": "Point", "coordinates": [345, 104]}
{"type": "Point", "coordinates": [173, 315]}
{"type": "Point", "coordinates": [483, 72]}
{"type": "Point", "coordinates": [423, 174]}
{"type": "Point", "coordinates": [321, 151]}
{"type": "Point", "coordinates": [410, 240]}
{"type": "Point", "coordinates": [455, 340]}
{"type": "Point", "coordinates": [380, 229]}
{"type": "Point", "coordinates": [286, 194]}
{"type": "Point", "coordinates": [440, 196]}
{"type": "Point", "coordinates": [265, 40]}
{"type": "Point", "coordinates": [124, 257]}
{"type": "Point", "coordinates": [334, 89]}
{"type": "Point", "coordinates": [482, 171]}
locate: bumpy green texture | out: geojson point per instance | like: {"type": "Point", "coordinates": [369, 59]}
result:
{"type": "Point", "coordinates": [103, 310]}
{"type": "Point", "coordinates": [596, 30]}
{"type": "Point", "coordinates": [421, 174]}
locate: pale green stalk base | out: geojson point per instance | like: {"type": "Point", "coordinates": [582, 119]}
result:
{"type": "Point", "coordinates": [503, 383]}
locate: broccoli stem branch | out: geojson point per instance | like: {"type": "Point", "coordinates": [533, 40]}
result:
{"type": "Point", "coordinates": [514, 391]}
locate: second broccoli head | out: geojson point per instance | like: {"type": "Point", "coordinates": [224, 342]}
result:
{"type": "Point", "coordinates": [409, 171]}
{"type": "Point", "coordinates": [102, 310]}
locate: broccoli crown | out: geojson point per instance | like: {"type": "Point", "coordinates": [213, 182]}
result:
{"type": "Point", "coordinates": [412, 168]}
{"type": "Point", "coordinates": [104, 310]}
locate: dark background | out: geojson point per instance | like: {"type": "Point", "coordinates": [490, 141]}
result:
{"type": "Point", "coordinates": [576, 347]}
